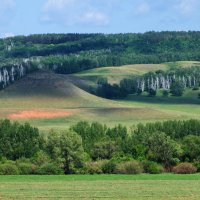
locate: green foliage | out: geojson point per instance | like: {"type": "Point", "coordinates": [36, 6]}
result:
{"type": "Point", "coordinates": [191, 144]}
{"type": "Point", "coordinates": [152, 92]}
{"type": "Point", "coordinates": [66, 148]}
{"type": "Point", "coordinates": [174, 80]}
{"type": "Point", "coordinates": [104, 150]}
{"type": "Point", "coordinates": [177, 88]}
{"type": "Point", "coordinates": [195, 88]}
{"type": "Point", "coordinates": [152, 167]}
{"type": "Point", "coordinates": [94, 167]}
{"type": "Point", "coordinates": [185, 168]}
{"type": "Point", "coordinates": [17, 140]}
{"type": "Point", "coordinates": [165, 93]}
{"type": "Point", "coordinates": [49, 169]}
{"type": "Point", "coordinates": [109, 167]}
{"type": "Point", "coordinates": [96, 149]}
{"type": "Point", "coordinates": [163, 149]}
{"type": "Point", "coordinates": [129, 167]}
{"type": "Point", "coordinates": [127, 86]}
{"type": "Point", "coordinates": [9, 169]}
{"type": "Point", "coordinates": [40, 158]}
{"type": "Point", "coordinates": [26, 168]}
{"type": "Point", "coordinates": [102, 81]}
{"type": "Point", "coordinates": [68, 53]}
{"type": "Point", "coordinates": [176, 129]}
{"type": "Point", "coordinates": [100, 141]}
{"type": "Point", "coordinates": [120, 157]}
{"type": "Point", "coordinates": [197, 165]}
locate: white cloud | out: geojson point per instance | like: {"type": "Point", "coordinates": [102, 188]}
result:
{"type": "Point", "coordinates": [186, 7]}
{"type": "Point", "coordinates": [97, 18]}
{"type": "Point", "coordinates": [72, 12]}
{"type": "Point", "coordinates": [57, 4]}
{"type": "Point", "coordinates": [142, 8]}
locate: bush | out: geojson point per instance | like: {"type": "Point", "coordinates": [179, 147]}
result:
{"type": "Point", "coordinates": [8, 169]}
{"type": "Point", "coordinates": [94, 167]}
{"type": "Point", "coordinates": [165, 93]}
{"type": "Point", "coordinates": [185, 168]}
{"type": "Point", "coordinates": [197, 165]}
{"type": "Point", "coordinates": [49, 169]}
{"type": "Point", "coordinates": [109, 167]}
{"type": "Point", "coordinates": [152, 167]}
{"type": "Point", "coordinates": [129, 167]}
{"type": "Point", "coordinates": [26, 168]}
{"type": "Point", "coordinates": [195, 88]}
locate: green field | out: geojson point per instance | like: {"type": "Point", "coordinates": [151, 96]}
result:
{"type": "Point", "coordinates": [115, 74]}
{"type": "Point", "coordinates": [90, 187]}
{"type": "Point", "coordinates": [49, 100]}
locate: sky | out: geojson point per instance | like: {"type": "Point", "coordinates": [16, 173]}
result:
{"type": "Point", "coordinates": [24, 17]}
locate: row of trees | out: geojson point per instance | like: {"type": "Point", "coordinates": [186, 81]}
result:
{"type": "Point", "coordinates": [174, 81]}
{"type": "Point", "coordinates": [102, 49]}
{"type": "Point", "coordinates": [96, 148]}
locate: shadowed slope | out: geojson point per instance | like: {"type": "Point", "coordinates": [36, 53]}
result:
{"type": "Point", "coordinates": [49, 100]}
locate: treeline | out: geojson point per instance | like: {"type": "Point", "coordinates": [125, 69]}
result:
{"type": "Point", "coordinates": [89, 148]}
{"type": "Point", "coordinates": [11, 72]}
{"type": "Point", "coordinates": [77, 52]}
{"type": "Point", "coordinates": [173, 81]}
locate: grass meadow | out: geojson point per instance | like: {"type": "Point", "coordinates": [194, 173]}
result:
{"type": "Point", "coordinates": [91, 187]}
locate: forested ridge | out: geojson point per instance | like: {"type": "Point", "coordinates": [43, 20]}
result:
{"type": "Point", "coordinates": [69, 53]}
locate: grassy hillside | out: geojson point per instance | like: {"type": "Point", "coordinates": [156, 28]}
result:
{"type": "Point", "coordinates": [50, 100]}
{"type": "Point", "coordinates": [115, 74]}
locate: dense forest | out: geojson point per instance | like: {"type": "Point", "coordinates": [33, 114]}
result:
{"type": "Point", "coordinates": [69, 53]}
{"type": "Point", "coordinates": [94, 148]}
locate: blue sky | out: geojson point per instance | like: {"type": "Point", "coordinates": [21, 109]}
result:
{"type": "Point", "coordinates": [23, 17]}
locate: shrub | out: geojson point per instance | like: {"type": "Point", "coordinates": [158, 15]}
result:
{"type": "Point", "coordinates": [8, 169]}
{"type": "Point", "coordinates": [165, 93]}
{"type": "Point", "coordinates": [185, 168]}
{"type": "Point", "coordinates": [129, 167]}
{"type": "Point", "coordinates": [152, 167]}
{"type": "Point", "coordinates": [109, 167]}
{"type": "Point", "coordinates": [49, 169]}
{"type": "Point", "coordinates": [195, 88]}
{"type": "Point", "coordinates": [197, 165]}
{"type": "Point", "coordinates": [26, 168]}
{"type": "Point", "coordinates": [94, 167]}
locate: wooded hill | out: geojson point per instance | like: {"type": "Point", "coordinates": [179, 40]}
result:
{"type": "Point", "coordinates": [74, 52]}
{"type": "Point", "coordinates": [69, 53]}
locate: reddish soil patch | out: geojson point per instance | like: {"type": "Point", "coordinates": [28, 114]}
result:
{"type": "Point", "coordinates": [40, 114]}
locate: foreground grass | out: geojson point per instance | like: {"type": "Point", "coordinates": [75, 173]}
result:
{"type": "Point", "coordinates": [165, 186]}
